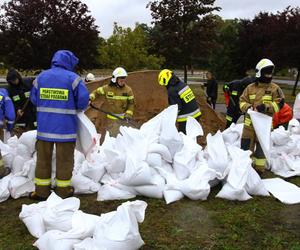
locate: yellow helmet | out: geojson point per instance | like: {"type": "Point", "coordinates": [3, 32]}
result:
{"type": "Point", "coordinates": [164, 77]}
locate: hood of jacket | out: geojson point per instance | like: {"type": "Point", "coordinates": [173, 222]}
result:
{"type": "Point", "coordinates": [64, 59]}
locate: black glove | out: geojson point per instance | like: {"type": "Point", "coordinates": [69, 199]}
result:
{"type": "Point", "coordinates": [261, 108]}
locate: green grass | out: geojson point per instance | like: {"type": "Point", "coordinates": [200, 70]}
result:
{"type": "Point", "coordinates": [260, 223]}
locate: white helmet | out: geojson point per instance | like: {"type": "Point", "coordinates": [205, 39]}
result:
{"type": "Point", "coordinates": [262, 64]}
{"type": "Point", "coordinates": [118, 72]}
{"type": "Point", "coordinates": [89, 77]}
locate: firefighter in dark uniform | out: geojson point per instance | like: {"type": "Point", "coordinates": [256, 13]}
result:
{"type": "Point", "coordinates": [234, 90]}
{"type": "Point", "coordinates": [19, 91]}
{"type": "Point", "coordinates": [262, 96]}
{"type": "Point", "coordinates": [118, 101]}
{"type": "Point", "coordinates": [181, 94]}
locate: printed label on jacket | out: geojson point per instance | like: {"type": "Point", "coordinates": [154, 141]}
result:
{"type": "Point", "coordinates": [54, 94]}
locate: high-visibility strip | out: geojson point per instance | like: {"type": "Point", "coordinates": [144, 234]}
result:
{"type": "Point", "coordinates": [7, 98]}
{"type": "Point", "coordinates": [129, 112]}
{"type": "Point", "coordinates": [267, 98]}
{"type": "Point", "coordinates": [259, 162]}
{"type": "Point", "coordinates": [183, 90]}
{"type": "Point", "coordinates": [35, 124]}
{"type": "Point", "coordinates": [76, 82]}
{"type": "Point", "coordinates": [234, 92]}
{"type": "Point", "coordinates": [35, 83]}
{"type": "Point", "coordinates": [183, 118]}
{"type": "Point", "coordinates": [20, 124]}
{"type": "Point", "coordinates": [57, 110]}
{"type": "Point", "coordinates": [1, 97]}
{"type": "Point", "coordinates": [92, 97]}
{"type": "Point", "coordinates": [228, 118]}
{"type": "Point", "coordinates": [10, 122]}
{"type": "Point", "coordinates": [27, 94]}
{"type": "Point", "coordinates": [100, 91]}
{"type": "Point", "coordinates": [42, 182]}
{"type": "Point", "coordinates": [16, 98]}
{"type": "Point", "coordinates": [116, 97]}
{"type": "Point", "coordinates": [252, 97]}
{"type": "Point", "coordinates": [63, 183]}
{"type": "Point", "coordinates": [131, 97]}
{"type": "Point", "coordinates": [57, 136]}
{"type": "Point", "coordinates": [275, 106]}
{"type": "Point", "coordinates": [187, 95]}
{"type": "Point", "coordinates": [242, 104]}
{"type": "Point", "coordinates": [113, 117]}
{"type": "Point", "coordinates": [247, 121]}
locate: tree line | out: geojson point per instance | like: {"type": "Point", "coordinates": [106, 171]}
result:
{"type": "Point", "coordinates": [183, 34]}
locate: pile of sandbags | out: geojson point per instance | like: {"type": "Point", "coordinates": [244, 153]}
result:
{"type": "Point", "coordinates": [59, 224]}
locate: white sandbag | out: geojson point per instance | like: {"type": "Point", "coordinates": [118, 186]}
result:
{"type": "Point", "coordinates": [217, 155]}
{"type": "Point", "coordinates": [152, 191]}
{"type": "Point", "coordinates": [4, 191]}
{"type": "Point", "coordinates": [84, 185]}
{"type": "Point", "coordinates": [160, 149]}
{"type": "Point", "coordinates": [280, 136]}
{"type": "Point", "coordinates": [294, 126]}
{"type": "Point", "coordinates": [114, 192]}
{"type": "Point", "coordinates": [185, 160]}
{"type": "Point", "coordinates": [255, 185]}
{"type": "Point", "coordinates": [230, 193]}
{"type": "Point", "coordinates": [59, 212]}
{"type": "Point", "coordinates": [193, 128]}
{"type": "Point", "coordinates": [32, 217]}
{"type": "Point", "coordinates": [93, 169]}
{"type": "Point", "coordinates": [29, 168]}
{"type": "Point", "coordinates": [17, 164]}
{"type": "Point", "coordinates": [29, 140]}
{"type": "Point", "coordinates": [171, 192]}
{"type": "Point", "coordinates": [8, 154]}
{"type": "Point", "coordinates": [115, 159]}
{"type": "Point", "coordinates": [20, 186]}
{"type": "Point", "coordinates": [172, 195]}
{"type": "Point", "coordinates": [87, 135]}
{"type": "Point", "coordinates": [262, 125]}
{"type": "Point", "coordinates": [196, 187]}
{"type": "Point", "coordinates": [169, 135]}
{"type": "Point", "coordinates": [136, 173]}
{"type": "Point", "coordinates": [233, 134]}
{"type": "Point", "coordinates": [55, 239]}
{"type": "Point", "coordinates": [154, 159]}
{"type": "Point", "coordinates": [296, 107]}
{"type": "Point", "coordinates": [23, 151]}
{"type": "Point", "coordinates": [120, 230]}
{"type": "Point", "coordinates": [284, 191]}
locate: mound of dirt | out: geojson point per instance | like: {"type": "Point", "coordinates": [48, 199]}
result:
{"type": "Point", "coordinates": [151, 99]}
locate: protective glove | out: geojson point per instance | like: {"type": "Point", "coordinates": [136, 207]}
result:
{"type": "Point", "coordinates": [225, 88]}
{"type": "Point", "coordinates": [261, 108]}
{"type": "Point", "coordinates": [208, 99]}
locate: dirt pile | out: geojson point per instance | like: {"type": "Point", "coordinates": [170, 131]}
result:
{"type": "Point", "coordinates": [151, 99]}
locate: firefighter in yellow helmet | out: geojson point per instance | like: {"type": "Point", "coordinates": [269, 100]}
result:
{"type": "Point", "coordinates": [263, 96]}
{"type": "Point", "coordinates": [118, 100]}
{"type": "Point", "coordinates": [180, 93]}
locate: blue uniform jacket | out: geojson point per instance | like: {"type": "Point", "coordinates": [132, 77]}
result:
{"type": "Point", "coordinates": [7, 110]}
{"type": "Point", "coordinates": [59, 94]}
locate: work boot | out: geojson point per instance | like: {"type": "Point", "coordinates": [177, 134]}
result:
{"type": "Point", "coordinates": [33, 195]}
{"type": "Point", "coordinates": [4, 171]}
{"type": "Point", "coordinates": [65, 192]}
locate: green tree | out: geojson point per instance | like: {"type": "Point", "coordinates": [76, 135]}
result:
{"type": "Point", "coordinates": [184, 30]}
{"type": "Point", "coordinates": [128, 48]}
{"type": "Point", "coordinates": [34, 29]}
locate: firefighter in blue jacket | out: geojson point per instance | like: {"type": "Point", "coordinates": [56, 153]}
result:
{"type": "Point", "coordinates": [180, 93]}
{"type": "Point", "coordinates": [7, 116]}
{"type": "Point", "coordinates": [58, 94]}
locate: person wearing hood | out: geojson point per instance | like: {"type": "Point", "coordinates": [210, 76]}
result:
{"type": "Point", "coordinates": [118, 101]}
{"type": "Point", "coordinates": [19, 91]}
{"type": "Point", "coordinates": [181, 94]}
{"type": "Point", "coordinates": [7, 116]}
{"type": "Point", "coordinates": [58, 93]}
{"type": "Point", "coordinates": [262, 96]}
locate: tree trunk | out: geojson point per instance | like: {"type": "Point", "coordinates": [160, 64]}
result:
{"type": "Point", "coordinates": [185, 73]}
{"type": "Point", "coordinates": [296, 83]}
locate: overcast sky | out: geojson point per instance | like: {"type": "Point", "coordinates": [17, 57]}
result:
{"type": "Point", "coordinates": [127, 12]}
